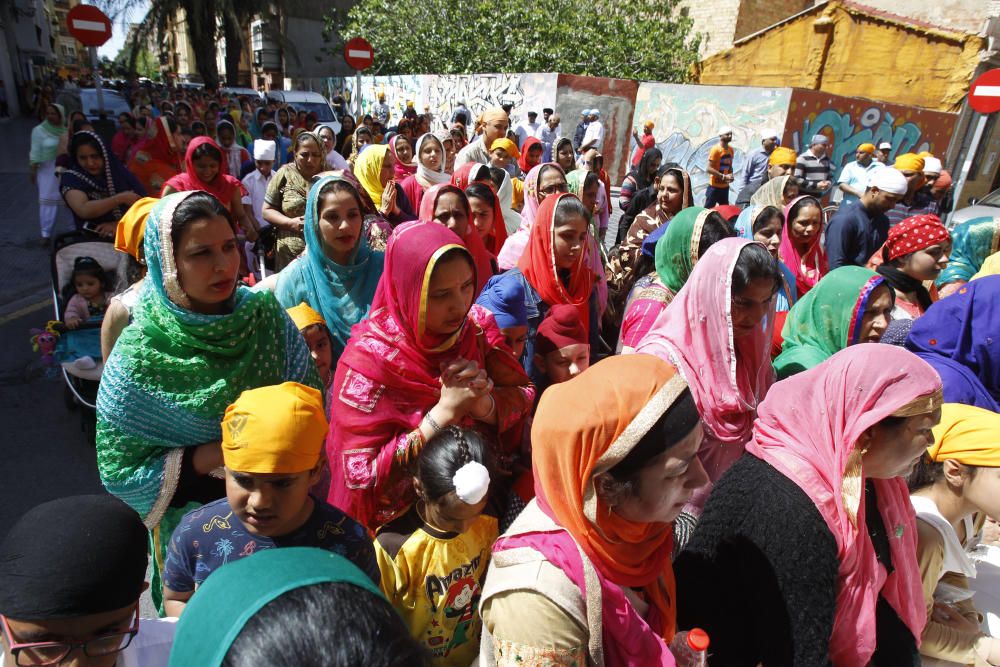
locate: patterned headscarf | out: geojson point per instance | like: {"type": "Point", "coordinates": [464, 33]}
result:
{"type": "Point", "coordinates": [913, 234]}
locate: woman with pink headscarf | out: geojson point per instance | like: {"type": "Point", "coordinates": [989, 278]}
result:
{"type": "Point", "coordinates": [717, 332]}
{"type": "Point", "coordinates": [806, 553]}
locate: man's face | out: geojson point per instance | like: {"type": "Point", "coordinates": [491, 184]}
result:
{"type": "Point", "coordinates": [883, 155]}
{"type": "Point", "coordinates": [726, 138]}
{"type": "Point", "coordinates": [769, 144]}
{"type": "Point", "coordinates": [532, 117]}
{"type": "Point", "coordinates": [864, 158]}
{"type": "Point", "coordinates": [819, 150]}
{"type": "Point", "coordinates": [884, 201]}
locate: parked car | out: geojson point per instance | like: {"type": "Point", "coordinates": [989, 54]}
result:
{"type": "Point", "coordinates": [988, 206]}
{"type": "Point", "coordinates": [85, 100]}
{"type": "Point", "coordinates": [237, 91]}
{"type": "Point", "coordinates": [306, 101]}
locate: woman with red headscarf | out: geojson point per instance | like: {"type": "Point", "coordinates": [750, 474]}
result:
{"type": "Point", "coordinates": [584, 575]}
{"type": "Point", "coordinates": [207, 169]}
{"type": "Point", "coordinates": [555, 269]}
{"type": "Point", "coordinates": [415, 366]}
{"type": "Point", "coordinates": [915, 253]}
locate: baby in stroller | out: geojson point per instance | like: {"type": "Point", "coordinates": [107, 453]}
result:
{"type": "Point", "coordinates": [87, 293]}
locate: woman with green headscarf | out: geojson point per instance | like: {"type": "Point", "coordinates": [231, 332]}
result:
{"type": "Point", "coordinates": [283, 606]}
{"type": "Point", "coordinates": [972, 242]}
{"type": "Point", "coordinates": [675, 249]}
{"type": "Point", "coordinates": [45, 139]}
{"type": "Point", "coordinates": [848, 306]}
{"type": "Point", "coordinates": [197, 340]}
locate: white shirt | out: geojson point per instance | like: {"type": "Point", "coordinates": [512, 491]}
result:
{"type": "Point", "coordinates": [256, 186]}
{"type": "Point", "coordinates": [594, 131]}
{"type": "Point", "coordinates": [336, 160]}
{"type": "Point", "coordinates": [525, 130]}
{"type": "Point", "coordinates": [149, 648]}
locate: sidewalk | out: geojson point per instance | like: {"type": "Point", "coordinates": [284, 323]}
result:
{"type": "Point", "coordinates": [24, 265]}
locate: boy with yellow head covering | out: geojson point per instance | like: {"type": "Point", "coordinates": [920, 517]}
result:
{"type": "Point", "coordinates": [953, 490]}
{"type": "Point", "coordinates": [272, 445]}
{"type": "Point", "coordinates": [916, 201]}
{"type": "Point", "coordinates": [314, 330]}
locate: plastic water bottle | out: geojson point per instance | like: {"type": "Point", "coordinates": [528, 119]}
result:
{"type": "Point", "coordinates": [690, 648]}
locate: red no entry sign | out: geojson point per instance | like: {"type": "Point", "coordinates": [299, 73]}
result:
{"type": "Point", "coordinates": [358, 53]}
{"type": "Point", "coordinates": [984, 94]}
{"type": "Point", "coordinates": [88, 25]}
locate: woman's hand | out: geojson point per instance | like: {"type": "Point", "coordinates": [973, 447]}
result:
{"type": "Point", "coordinates": [72, 323]}
{"type": "Point", "coordinates": [389, 205]}
{"type": "Point", "coordinates": [463, 383]}
{"type": "Point", "coordinates": [106, 229]}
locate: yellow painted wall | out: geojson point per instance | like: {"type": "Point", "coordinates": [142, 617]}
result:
{"type": "Point", "coordinates": [840, 49]}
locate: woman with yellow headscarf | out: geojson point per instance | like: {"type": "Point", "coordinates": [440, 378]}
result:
{"type": "Point", "coordinates": [954, 488]}
{"type": "Point", "coordinates": [374, 171]}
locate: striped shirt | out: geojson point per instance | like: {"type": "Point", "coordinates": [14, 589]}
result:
{"type": "Point", "coordinates": [810, 170]}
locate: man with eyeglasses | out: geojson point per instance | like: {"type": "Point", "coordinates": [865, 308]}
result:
{"type": "Point", "coordinates": [71, 573]}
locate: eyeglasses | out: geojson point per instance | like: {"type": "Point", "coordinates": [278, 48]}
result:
{"type": "Point", "coordinates": [37, 654]}
{"type": "Point", "coordinates": [554, 188]}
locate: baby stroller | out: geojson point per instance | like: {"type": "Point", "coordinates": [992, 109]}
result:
{"type": "Point", "coordinates": [81, 377]}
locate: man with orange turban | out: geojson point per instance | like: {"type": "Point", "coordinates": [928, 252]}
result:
{"type": "Point", "coordinates": [272, 446]}
{"type": "Point", "coordinates": [854, 176]}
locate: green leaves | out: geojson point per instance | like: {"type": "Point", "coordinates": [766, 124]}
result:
{"type": "Point", "coordinates": [644, 39]}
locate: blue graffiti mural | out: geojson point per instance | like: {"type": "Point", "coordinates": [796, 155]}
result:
{"type": "Point", "coordinates": [874, 126]}
{"type": "Point", "coordinates": [694, 159]}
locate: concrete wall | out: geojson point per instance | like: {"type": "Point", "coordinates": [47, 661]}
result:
{"type": "Point", "coordinates": [687, 121]}
{"type": "Point", "coordinates": [838, 48]}
{"type": "Point", "coordinates": [850, 122]}
{"type": "Point", "coordinates": [714, 21]}
{"type": "Point", "coordinates": [615, 99]}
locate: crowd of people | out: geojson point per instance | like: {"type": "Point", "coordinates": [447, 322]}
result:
{"type": "Point", "coordinates": [388, 384]}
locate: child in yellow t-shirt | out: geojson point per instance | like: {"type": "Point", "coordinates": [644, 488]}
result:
{"type": "Point", "coordinates": [433, 559]}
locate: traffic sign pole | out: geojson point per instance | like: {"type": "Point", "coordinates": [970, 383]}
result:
{"type": "Point", "coordinates": [97, 78]}
{"type": "Point", "coordinates": [360, 55]}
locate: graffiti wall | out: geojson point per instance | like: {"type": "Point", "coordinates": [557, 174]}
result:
{"type": "Point", "coordinates": [615, 99]}
{"type": "Point", "coordinates": [687, 120]}
{"type": "Point", "coordinates": [849, 122]}
{"type": "Point", "coordinates": [526, 92]}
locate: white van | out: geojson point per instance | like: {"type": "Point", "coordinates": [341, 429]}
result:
{"type": "Point", "coordinates": [304, 100]}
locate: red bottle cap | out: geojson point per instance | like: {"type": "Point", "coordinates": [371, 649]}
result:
{"type": "Point", "coordinates": [697, 640]}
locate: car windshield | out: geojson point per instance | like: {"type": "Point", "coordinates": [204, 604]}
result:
{"type": "Point", "coordinates": [114, 103]}
{"type": "Point", "coordinates": [992, 199]}
{"type": "Point", "coordinates": [322, 111]}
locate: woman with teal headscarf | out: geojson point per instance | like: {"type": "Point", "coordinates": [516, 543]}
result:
{"type": "Point", "coordinates": [283, 606]}
{"type": "Point", "coordinates": [849, 305]}
{"type": "Point", "coordinates": [45, 140]}
{"type": "Point", "coordinates": [689, 234]}
{"type": "Point", "coordinates": [197, 340]}
{"type": "Point", "coordinates": [972, 242]}
{"type": "Point", "coordinates": [338, 272]}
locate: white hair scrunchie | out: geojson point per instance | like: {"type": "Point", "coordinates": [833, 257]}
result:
{"type": "Point", "coordinates": [472, 481]}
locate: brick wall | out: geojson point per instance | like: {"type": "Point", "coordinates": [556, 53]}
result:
{"type": "Point", "coordinates": [715, 21]}
{"type": "Point", "coordinates": [756, 15]}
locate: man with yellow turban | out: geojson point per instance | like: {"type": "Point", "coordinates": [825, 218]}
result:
{"type": "Point", "coordinates": [272, 446]}
{"type": "Point", "coordinates": [495, 123]}
{"type": "Point", "coordinates": [914, 201]}
{"type": "Point", "coordinates": [854, 176]}
{"type": "Point", "coordinates": [952, 491]}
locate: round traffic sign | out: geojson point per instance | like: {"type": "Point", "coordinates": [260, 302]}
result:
{"type": "Point", "coordinates": [358, 53]}
{"type": "Point", "coordinates": [984, 94]}
{"type": "Point", "coordinates": [88, 25]}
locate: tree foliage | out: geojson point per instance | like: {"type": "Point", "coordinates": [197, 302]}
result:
{"type": "Point", "coordinates": [641, 39]}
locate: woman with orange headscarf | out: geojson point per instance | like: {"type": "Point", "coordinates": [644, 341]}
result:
{"type": "Point", "coordinates": [584, 574]}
